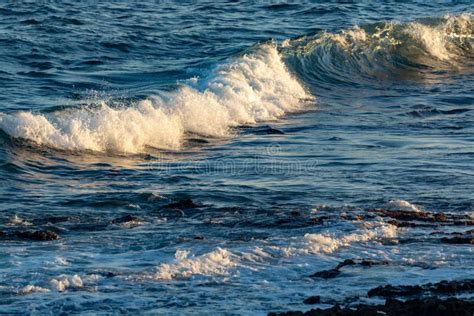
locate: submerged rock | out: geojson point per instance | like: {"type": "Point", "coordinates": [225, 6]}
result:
{"type": "Point", "coordinates": [39, 235]}
{"type": "Point", "coordinates": [105, 274]}
{"type": "Point", "coordinates": [463, 223]}
{"type": "Point", "coordinates": [52, 220]}
{"type": "Point", "coordinates": [417, 307]}
{"type": "Point", "coordinates": [326, 274]}
{"type": "Point", "coordinates": [440, 217]}
{"type": "Point", "coordinates": [443, 287]}
{"type": "Point", "coordinates": [182, 204]}
{"type": "Point", "coordinates": [405, 215]}
{"type": "Point", "coordinates": [312, 300]}
{"type": "Point", "coordinates": [347, 262]}
{"type": "Point", "coordinates": [332, 273]}
{"type": "Point", "coordinates": [459, 240]}
{"type": "Point", "coordinates": [369, 263]}
{"type": "Point", "coordinates": [405, 218]}
{"type": "Point", "coordinates": [126, 219]}
{"type": "Point", "coordinates": [390, 290]}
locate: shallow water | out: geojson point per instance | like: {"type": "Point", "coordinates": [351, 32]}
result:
{"type": "Point", "coordinates": [285, 124]}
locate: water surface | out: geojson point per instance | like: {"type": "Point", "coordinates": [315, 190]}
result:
{"type": "Point", "coordinates": [207, 157]}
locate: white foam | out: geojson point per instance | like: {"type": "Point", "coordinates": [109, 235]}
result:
{"type": "Point", "coordinates": [29, 289]}
{"type": "Point", "coordinates": [402, 205]}
{"type": "Point", "coordinates": [219, 262]}
{"type": "Point", "coordinates": [253, 88]}
{"type": "Point", "coordinates": [61, 261]}
{"type": "Point", "coordinates": [18, 221]}
{"type": "Point", "coordinates": [216, 262]}
{"type": "Point", "coordinates": [63, 282]}
{"type": "Point", "coordinates": [328, 243]}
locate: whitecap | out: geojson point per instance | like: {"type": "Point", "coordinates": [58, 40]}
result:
{"type": "Point", "coordinates": [402, 205]}
{"type": "Point", "coordinates": [29, 289]}
{"type": "Point", "coordinates": [249, 89]}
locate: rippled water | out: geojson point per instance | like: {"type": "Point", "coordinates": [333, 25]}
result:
{"type": "Point", "coordinates": [207, 157]}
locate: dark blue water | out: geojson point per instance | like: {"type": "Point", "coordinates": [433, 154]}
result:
{"type": "Point", "coordinates": [186, 153]}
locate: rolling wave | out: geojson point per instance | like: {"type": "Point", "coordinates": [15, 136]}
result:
{"type": "Point", "coordinates": [254, 87]}
{"type": "Point", "coordinates": [248, 89]}
{"type": "Point", "coordinates": [383, 50]}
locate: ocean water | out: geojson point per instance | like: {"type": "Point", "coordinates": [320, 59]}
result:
{"type": "Point", "coordinates": [207, 157]}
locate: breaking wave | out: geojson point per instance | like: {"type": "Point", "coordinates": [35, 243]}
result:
{"type": "Point", "coordinates": [384, 50]}
{"type": "Point", "coordinates": [254, 87]}
{"type": "Point", "coordinates": [248, 89]}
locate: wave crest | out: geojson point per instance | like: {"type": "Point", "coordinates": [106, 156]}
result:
{"type": "Point", "coordinates": [384, 49]}
{"type": "Point", "coordinates": [249, 89]}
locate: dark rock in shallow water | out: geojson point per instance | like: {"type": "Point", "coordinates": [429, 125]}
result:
{"type": "Point", "coordinates": [440, 232]}
{"type": "Point", "coordinates": [90, 227]}
{"type": "Point", "coordinates": [106, 274]}
{"type": "Point", "coordinates": [283, 221]}
{"type": "Point", "coordinates": [315, 221]}
{"type": "Point", "coordinates": [418, 307]}
{"type": "Point", "coordinates": [39, 235]}
{"type": "Point", "coordinates": [369, 263]}
{"type": "Point", "coordinates": [459, 240]}
{"type": "Point", "coordinates": [312, 300]}
{"type": "Point", "coordinates": [126, 219]}
{"type": "Point", "coordinates": [332, 273]}
{"type": "Point", "coordinates": [443, 287]}
{"type": "Point", "coordinates": [430, 306]}
{"type": "Point", "coordinates": [390, 290]}
{"type": "Point", "coordinates": [347, 262]}
{"type": "Point", "coordinates": [421, 216]}
{"type": "Point", "coordinates": [439, 217]}
{"type": "Point", "coordinates": [422, 219]}
{"type": "Point", "coordinates": [326, 274]}
{"type": "Point", "coordinates": [110, 274]}
{"type": "Point", "coordinates": [463, 223]}
{"type": "Point", "coordinates": [52, 220]}
{"type": "Point", "coordinates": [406, 215]}
{"type": "Point", "coordinates": [182, 204]}
{"type": "Point", "coordinates": [408, 224]}
{"type": "Point", "coordinates": [295, 213]}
